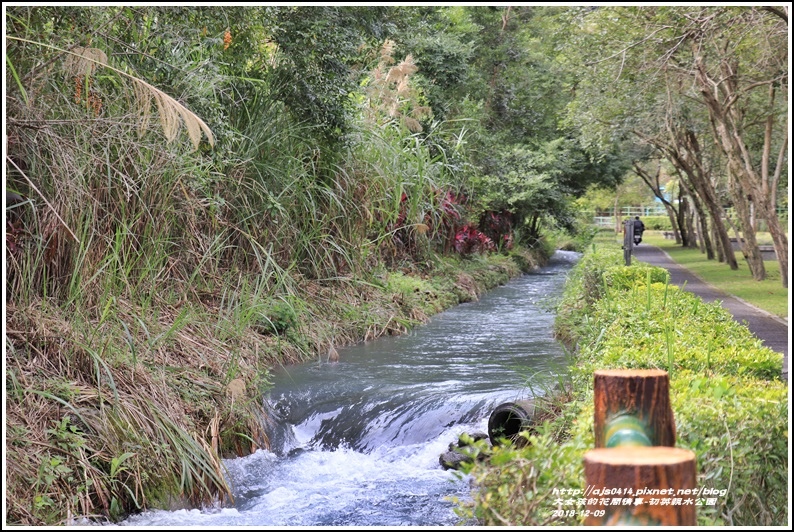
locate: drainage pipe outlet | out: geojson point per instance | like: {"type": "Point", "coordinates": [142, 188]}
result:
{"type": "Point", "coordinates": [508, 419]}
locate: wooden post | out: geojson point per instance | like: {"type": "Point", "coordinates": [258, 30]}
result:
{"type": "Point", "coordinates": [640, 486]}
{"type": "Point", "coordinates": [632, 408]}
{"type": "Point", "coordinates": [628, 240]}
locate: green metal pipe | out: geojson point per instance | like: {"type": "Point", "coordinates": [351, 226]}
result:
{"type": "Point", "coordinates": [626, 430]}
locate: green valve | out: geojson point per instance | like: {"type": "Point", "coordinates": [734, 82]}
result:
{"type": "Point", "coordinates": [627, 430]}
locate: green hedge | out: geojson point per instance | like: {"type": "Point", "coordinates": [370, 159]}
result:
{"type": "Point", "coordinates": [662, 223]}
{"type": "Point", "coordinates": [657, 223]}
{"type": "Point", "coordinates": [729, 403]}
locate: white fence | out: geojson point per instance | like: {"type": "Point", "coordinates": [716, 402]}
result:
{"type": "Point", "coordinates": [631, 212]}
{"type": "Point", "coordinates": [604, 221]}
{"type": "Point", "coordinates": [626, 212]}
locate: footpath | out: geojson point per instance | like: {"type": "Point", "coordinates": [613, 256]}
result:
{"type": "Point", "coordinates": [770, 329]}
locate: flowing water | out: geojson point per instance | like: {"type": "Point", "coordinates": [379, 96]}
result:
{"type": "Point", "coordinates": [357, 442]}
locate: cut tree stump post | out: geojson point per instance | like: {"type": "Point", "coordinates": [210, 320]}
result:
{"type": "Point", "coordinates": [632, 408]}
{"type": "Point", "coordinates": [635, 475]}
{"type": "Point", "coordinates": [640, 486]}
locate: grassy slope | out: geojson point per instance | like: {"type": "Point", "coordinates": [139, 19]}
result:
{"type": "Point", "coordinates": [185, 400]}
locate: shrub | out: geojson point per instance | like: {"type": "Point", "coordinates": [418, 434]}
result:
{"type": "Point", "coordinates": [660, 326]}
{"type": "Point", "coordinates": [278, 318]}
{"type": "Point", "coordinates": [738, 428]}
{"type": "Point", "coordinates": [657, 223]}
{"type": "Point", "coordinates": [626, 277]}
{"type": "Point", "coordinates": [729, 404]}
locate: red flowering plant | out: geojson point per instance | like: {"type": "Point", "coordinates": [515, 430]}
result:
{"type": "Point", "coordinates": [450, 217]}
{"type": "Point", "coordinates": [445, 221]}
{"type": "Point", "coordinates": [470, 240]}
{"type": "Point", "coordinates": [498, 226]}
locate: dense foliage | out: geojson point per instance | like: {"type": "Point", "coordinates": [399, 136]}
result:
{"type": "Point", "coordinates": [694, 95]}
{"type": "Point", "coordinates": [729, 403]}
{"type": "Point", "coordinates": [188, 189]}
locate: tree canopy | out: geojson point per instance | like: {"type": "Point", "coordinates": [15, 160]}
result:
{"type": "Point", "coordinates": [527, 106]}
{"type": "Point", "coordinates": [175, 172]}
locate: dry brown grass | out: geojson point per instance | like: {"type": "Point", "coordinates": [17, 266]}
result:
{"type": "Point", "coordinates": [169, 409]}
{"type": "Point", "coordinates": [138, 337]}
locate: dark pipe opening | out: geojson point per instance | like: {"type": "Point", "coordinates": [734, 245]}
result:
{"type": "Point", "coordinates": [508, 419]}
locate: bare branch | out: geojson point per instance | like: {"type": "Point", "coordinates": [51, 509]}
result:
{"type": "Point", "coordinates": [629, 47]}
{"type": "Point", "coordinates": [777, 12]}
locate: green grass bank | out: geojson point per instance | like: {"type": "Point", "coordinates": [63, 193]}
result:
{"type": "Point", "coordinates": [136, 407]}
{"type": "Point", "coordinates": [729, 403]}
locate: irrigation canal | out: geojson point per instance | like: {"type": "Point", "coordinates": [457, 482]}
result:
{"type": "Point", "coordinates": [357, 442]}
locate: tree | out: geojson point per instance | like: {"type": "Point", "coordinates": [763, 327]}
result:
{"type": "Point", "coordinates": [531, 163]}
{"type": "Point", "coordinates": [539, 183]}
{"type": "Point", "coordinates": [736, 54]}
{"type": "Point", "coordinates": [318, 48]}
{"type": "Point", "coordinates": [683, 64]}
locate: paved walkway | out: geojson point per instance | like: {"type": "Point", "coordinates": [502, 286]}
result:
{"type": "Point", "coordinates": [771, 330]}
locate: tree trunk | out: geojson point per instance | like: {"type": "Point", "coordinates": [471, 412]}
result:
{"type": "Point", "coordinates": [720, 232]}
{"type": "Point", "coordinates": [654, 185]}
{"type": "Point", "coordinates": [673, 215]}
{"type": "Point", "coordinates": [692, 241]}
{"type": "Point", "coordinates": [726, 120]}
{"type": "Point", "coordinates": [677, 221]}
{"type": "Point", "coordinates": [694, 238]}
{"type": "Point", "coordinates": [779, 240]}
{"type": "Point", "coordinates": [718, 248]}
{"type": "Point", "coordinates": [703, 236]}
{"type": "Point", "coordinates": [747, 241]}
{"type": "Point", "coordinates": [685, 153]}
{"type": "Point", "coordinates": [685, 219]}
{"type": "Point", "coordinates": [683, 214]}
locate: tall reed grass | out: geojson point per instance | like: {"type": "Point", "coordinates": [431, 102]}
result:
{"type": "Point", "coordinates": [154, 285]}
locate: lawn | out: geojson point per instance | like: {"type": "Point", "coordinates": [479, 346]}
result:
{"type": "Point", "coordinates": [769, 294]}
